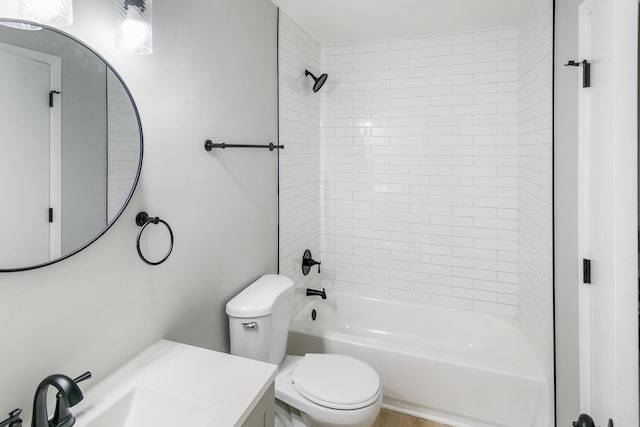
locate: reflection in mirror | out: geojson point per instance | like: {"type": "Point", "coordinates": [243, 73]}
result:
{"type": "Point", "coordinates": [70, 151]}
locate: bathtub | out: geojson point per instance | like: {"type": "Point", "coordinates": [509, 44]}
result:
{"type": "Point", "coordinates": [457, 367]}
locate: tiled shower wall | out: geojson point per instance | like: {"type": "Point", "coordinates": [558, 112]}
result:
{"type": "Point", "coordinates": [436, 181]}
{"type": "Point", "coordinates": [419, 169]}
{"type": "Point", "coordinates": [300, 160]}
{"type": "Point", "coordinates": [535, 180]}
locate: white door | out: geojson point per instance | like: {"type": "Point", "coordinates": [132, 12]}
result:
{"type": "Point", "coordinates": [608, 213]}
{"type": "Point", "coordinates": [24, 161]}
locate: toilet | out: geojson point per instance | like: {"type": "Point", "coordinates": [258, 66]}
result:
{"type": "Point", "coordinates": [314, 390]}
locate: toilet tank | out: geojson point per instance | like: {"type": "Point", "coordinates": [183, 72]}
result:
{"type": "Point", "coordinates": [259, 319]}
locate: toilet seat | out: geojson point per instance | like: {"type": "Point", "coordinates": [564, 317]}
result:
{"type": "Point", "coordinates": [336, 381]}
{"type": "Point", "coordinates": [321, 415]}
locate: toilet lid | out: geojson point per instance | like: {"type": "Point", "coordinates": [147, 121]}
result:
{"type": "Point", "coordinates": [335, 381]}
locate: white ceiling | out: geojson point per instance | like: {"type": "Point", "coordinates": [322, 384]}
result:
{"type": "Point", "coordinates": [343, 21]}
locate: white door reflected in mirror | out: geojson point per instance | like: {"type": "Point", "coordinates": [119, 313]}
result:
{"type": "Point", "coordinates": [32, 138]}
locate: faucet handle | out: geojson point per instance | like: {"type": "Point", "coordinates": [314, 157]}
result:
{"type": "Point", "coordinates": [308, 262]}
{"type": "Point", "coordinates": [82, 377]}
{"type": "Point", "coordinates": [13, 420]}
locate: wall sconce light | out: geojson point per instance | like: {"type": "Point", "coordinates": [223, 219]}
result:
{"type": "Point", "coordinates": [134, 32]}
{"type": "Point", "coordinates": [57, 13]}
{"type": "Point", "coordinates": [9, 10]}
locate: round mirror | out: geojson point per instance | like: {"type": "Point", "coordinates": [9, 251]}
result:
{"type": "Point", "coordinates": [70, 147]}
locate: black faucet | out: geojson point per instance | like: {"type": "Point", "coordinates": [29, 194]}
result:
{"type": "Point", "coordinates": [13, 420]}
{"type": "Point", "coordinates": [62, 415]}
{"type": "Point", "coordinates": [315, 292]}
{"type": "Point", "coordinates": [69, 395]}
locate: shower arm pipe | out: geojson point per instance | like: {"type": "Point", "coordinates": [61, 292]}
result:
{"type": "Point", "coordinates": [209, 145]}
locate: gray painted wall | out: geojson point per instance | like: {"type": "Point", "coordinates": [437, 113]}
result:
{"type": "Point", "coordinates": [566, 213]}
{"type": "Point", "coordinates": [212, 75]}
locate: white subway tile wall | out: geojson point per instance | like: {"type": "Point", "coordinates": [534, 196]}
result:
{"type": "Point", "coordinates": [123, 145]}
{"type": "Point", "coordinates": [300, 160]}
{"type": "Point", "coordinates": [420, 169]}
{"type": "Point", "coordinates": [535, 180]}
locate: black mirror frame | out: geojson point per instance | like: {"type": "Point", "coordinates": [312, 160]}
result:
{"type": "Point", "coordinates": [137, 178]}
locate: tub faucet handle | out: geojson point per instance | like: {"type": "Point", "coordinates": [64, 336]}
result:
{"type": "Point", "coordinates": [308, 262]}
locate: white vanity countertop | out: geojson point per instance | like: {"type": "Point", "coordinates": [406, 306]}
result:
{"type": "Point", "coordinates": [223, 388]}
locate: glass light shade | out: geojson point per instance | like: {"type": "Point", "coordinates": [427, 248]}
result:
{"type": "Point", "coordinates": [135, 32]}
{"type": "Point", "coordinates": [9, 9]}
{"type": "Point", "coordinates": [57, 13]}
{"type": "Point", "coordinates": [21, 26]}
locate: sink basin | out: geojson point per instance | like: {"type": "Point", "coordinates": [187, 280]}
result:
{"type": "Point", "coordinates": [172, 384]}
{"type": "Point", "coordinates": [143, 407]}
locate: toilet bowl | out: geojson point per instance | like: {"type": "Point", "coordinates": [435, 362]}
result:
{"type": "Point", "coordinates": [330, 390]}
{"type": "Point", "coordinates": [321, 390]}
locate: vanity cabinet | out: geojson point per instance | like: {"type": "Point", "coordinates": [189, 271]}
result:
{"type": "Point", "coordinates": [172, 384]}
{"type": "Point", "coordinates": [263, 414]}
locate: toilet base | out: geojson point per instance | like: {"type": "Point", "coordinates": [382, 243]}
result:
{"type": "Point", "coordinates": [367, 422]}
{"type": "Point", "coordinates": [285, 416]}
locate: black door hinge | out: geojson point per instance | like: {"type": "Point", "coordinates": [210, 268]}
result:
{"type": "Point", "coordinates": [50, 214]}
{"type": "Point", "coordinates": [586, 70]}
{"type": "Point", "coordinates": [586, 271]}
{"type": "Point", "coordinates": [53, 92]}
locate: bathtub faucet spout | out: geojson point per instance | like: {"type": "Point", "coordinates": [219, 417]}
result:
{"type": "Point", "coordinates": [315, 292]}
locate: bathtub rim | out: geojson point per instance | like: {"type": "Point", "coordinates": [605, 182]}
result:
{"type": "Point", "coordinates": [297, 310]}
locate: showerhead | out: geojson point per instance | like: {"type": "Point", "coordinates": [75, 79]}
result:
{"type": "Point", "coordinates": [319, 81]}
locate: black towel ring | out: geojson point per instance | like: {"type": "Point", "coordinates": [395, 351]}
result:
{"type": "Point", "coordinates": [142, 220]}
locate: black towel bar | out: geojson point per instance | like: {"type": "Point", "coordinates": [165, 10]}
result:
{"type": "Point", "coordinates": [209, 145]}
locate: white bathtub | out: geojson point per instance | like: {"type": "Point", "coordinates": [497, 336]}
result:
{"type": "Point", "coordinates": [457, 367]}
